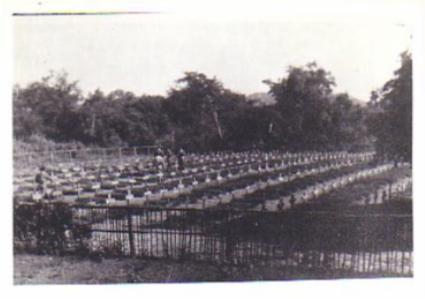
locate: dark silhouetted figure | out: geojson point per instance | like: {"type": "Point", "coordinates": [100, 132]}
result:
{"type": "Point", "coordinates": [180, 159]}
{"type": "Point", "coordinates": [39, 179]}
{"type": "Point", "coordinates": [280, 205]}
{"type": "Point", "coordinates": [168, 155]}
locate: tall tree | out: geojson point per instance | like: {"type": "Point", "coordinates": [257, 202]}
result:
{"type": "Point", "coordinates": [49, 108]}
{"type": "Point", "coordinates": [303, 101]}
{"type": "Point", "coordinates": [195, 107]}
{"type": "Point", "coordinates": [390, 119]}
{"type": "Point", "coordinates": [347, 128]}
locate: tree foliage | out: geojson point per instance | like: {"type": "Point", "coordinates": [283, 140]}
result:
{"type": "Point", "coordinates": [390, 120]}
{"type": "Point", "coordinates": [311, 116]}
{"type": "Point", "coordinates": [48, 107]}
{"type": "Point", "coordinates": [200, 114]}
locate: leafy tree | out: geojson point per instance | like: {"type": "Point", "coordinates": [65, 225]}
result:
{"type": "Point", "coordinates": [144, 121]}
{"type": "Point", "coordinates": [49, 108]}
{"type": "Point", "coordinates": [121, 118]}
{"type": "Point", "coordinates": [198, 114]}
{"type": "Point", "coordinates": [390, 119]}
{"type": "Point", "coordinates": [347, 128]}
{"type": "Point", "coordinates": [95, 114]}
{"type": "Point", "coordinates": [303, 101]}
{"type": "Point", "coordinates": [196, 108]}
{"type": "Point", "coordinates": [25, 122]}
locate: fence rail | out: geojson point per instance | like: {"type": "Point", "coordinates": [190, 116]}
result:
{"type": "Point", "coordinates": [332, 242]}
{"type": "Point", "coordinates": [66, 156]}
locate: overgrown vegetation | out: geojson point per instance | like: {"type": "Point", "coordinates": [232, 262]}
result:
{"type": "Point", "coordinates": [48, 229]}
{"type": "Point", "coordinates": [200, 114]}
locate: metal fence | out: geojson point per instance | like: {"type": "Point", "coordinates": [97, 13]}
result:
{"type": "Point", "coordinates": [82, 155]}
{"type": "Point", "coordinates": [331, 242]}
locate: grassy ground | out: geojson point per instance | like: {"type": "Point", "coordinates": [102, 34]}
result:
{"type": "Point", "coordinates": [37, 269]}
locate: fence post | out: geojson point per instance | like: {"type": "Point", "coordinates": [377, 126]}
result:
{"type": "Point", "coordinates": [130, 230]}
{"type": "Point", "coordinates": [40, 226]}
{"type": "Point", "coordinates": [229, 239]}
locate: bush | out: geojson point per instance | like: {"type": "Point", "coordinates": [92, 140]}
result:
{"type": "Point", "coordinates": [48, 229]}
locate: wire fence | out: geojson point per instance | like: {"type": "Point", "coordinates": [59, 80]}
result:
{"type": "Point", "coordinates": [352, 243]}
{"type": "Point", "coordinates": [82, 155]}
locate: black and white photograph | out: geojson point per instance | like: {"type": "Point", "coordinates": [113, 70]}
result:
{"type": "Point", "coordinates": [158, 147]}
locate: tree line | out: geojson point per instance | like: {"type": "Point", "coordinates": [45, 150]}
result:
{"type": "Point", "coordinates": [199, 114]}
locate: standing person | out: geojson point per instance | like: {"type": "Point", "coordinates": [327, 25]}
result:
{"type": "Point", "coordinates": [180, 159]}
{"type": "Point", "coordinates": [159, 151]}
{"type": "Point", "coordinates": [280, 205]}
{"type": "Point", "coordinates": [40, 179]}
{"type": "Point", "coordinates": [168, 155]}
{"type": "Point", "coordinates": [159, 158]}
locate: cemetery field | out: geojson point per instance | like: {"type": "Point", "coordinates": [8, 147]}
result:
{"type": "Point", "coordinates": [288, 215]}
{"type": "Point", "coordinates": [153, 171]}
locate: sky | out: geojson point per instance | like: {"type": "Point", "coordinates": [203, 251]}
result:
{"type": "Point", "coordinates": [147, 53]}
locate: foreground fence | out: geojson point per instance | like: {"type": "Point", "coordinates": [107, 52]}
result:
{"type": "Point", "coordinates": [380, 244]}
